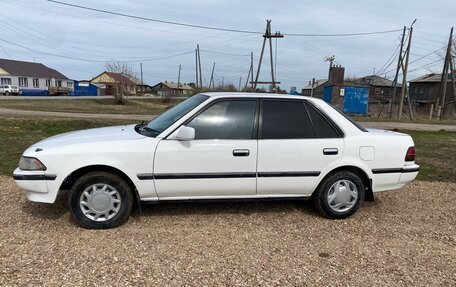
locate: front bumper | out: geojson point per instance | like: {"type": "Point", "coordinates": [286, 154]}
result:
{"type": "Point", "coordinates": [36, 185]}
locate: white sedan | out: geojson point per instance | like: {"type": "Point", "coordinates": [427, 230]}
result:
{"type": "Point", "coordinates": [220, 146]}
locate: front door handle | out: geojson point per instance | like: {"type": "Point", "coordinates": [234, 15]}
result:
{"type": "Point", "coordinates": [241, 152]}
{"type": "Point", "coordinates": [330, 151]}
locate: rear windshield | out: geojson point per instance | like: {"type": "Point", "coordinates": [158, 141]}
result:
{"type": "Point", "coordinates": [360, 127]}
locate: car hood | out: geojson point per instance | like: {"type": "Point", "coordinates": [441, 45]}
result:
{"type": "Point", "coordinates": [115, 133]}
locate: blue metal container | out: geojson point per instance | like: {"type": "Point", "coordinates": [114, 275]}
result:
{"type": "Point", "coordinates": [85, 89]}
{"type": "Point", "coordinates": [356, 99]}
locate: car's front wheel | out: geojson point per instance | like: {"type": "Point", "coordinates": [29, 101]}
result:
{"type": "Point", "coordinates": [101, 200]}
{"type": "Point", "coordinates": [339, 195]}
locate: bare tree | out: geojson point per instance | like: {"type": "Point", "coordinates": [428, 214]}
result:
{"type": "Point", "coordinates": [122, 88]}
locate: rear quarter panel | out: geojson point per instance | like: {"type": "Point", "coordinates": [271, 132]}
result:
{"type": "Point", "coordinates": [389, 150]}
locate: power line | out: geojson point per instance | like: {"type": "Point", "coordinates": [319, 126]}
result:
{"type": "Point", "coordinates": [422, 57]}
{"type": "Point", "coordinates": [6, 52]}
{"type": "Point", "coordinates": [153, 20]}
{"type": "Point", "coordinates": [423, 66]}
{"type": "Point", "coordinates": [342, 34]}
{"type": "Point", "coordinates": [427, 55]}
{"type": "Point", "coordinates": [390, 61]}
{"type": "Point", "coordinates": [93, 60]}
{"type": "Point", "coordinates": [315, 49]}
{"type": "Point", "coordinates": [215, 28]}
{"type": "Point", "coordinates": [223, 53]}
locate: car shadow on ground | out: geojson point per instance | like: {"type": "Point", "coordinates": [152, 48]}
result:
{"type": "Point", "coordinates": [278, 206]}
{"type": "Point", "coordinates": [226, 207]}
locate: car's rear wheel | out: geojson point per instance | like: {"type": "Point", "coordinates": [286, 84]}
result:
{"type": "Point", "coordinates": [339, 195]}
{"type": "Point", "coordinates": [7, 93]}
{"type": "Point", "coordinates": [101, 200]}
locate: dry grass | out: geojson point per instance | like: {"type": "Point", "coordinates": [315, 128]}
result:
{"type": "Point", "coordinates": [96, 106]}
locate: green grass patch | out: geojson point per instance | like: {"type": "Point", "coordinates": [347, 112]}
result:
{"type": "Point", "coordinates": [17, 134]}
{"type": "Point", "coordinates": [436, 155]}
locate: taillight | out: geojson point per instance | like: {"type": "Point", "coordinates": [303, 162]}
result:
{"type": "Point", "coordinates": [410, 155]}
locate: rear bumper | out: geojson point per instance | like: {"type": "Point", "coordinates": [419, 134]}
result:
{"type": "Point", "coordinates": [393, 178]}
{"type": "Point", "coordinates": [36, 185]}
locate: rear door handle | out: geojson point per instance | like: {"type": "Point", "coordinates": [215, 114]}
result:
{"type": "Point", "coordinates": [330, 151]}
{"type": "Point", "coordinates": [241, 152]}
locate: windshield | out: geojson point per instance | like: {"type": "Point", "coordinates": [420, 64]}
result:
{"type": "Point", "coordinates": [165, 120]}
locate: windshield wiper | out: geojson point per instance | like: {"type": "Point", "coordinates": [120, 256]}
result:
{"type": "Point", "coordinates": [142, 127]}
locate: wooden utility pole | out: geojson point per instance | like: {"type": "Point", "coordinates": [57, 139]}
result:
{"type": "Point", "coordinates": [212, 77]}
{"type": "Point", "coordinates": [399, 65]}
{"type": "Point", "coordinates": [140, 68]}
{"type": "Point", "coordinates": [251, 71]}
{"type": "Point", "coordinates": [331, 60]}
{"type": "Point", "coordinates": [404, 74]}
{"type": "Point", "coordinates": [199, 66]}
{"type": "Point", "coordinates": [452, 71]}
{"type": "Point", "coordinates": [178, 79]}
{"type": "Point", "coordinates": [444, 80]}
{"type": "Point", "coordinates": [267, 36]}
{"type": "Point", "coordinates": [196, 68]}
{"type": "Point", "coordinates": [240, 80]}
{"type": "Point", "coordinates": [250, 74]}
{"type": "Point", "coordinates": [312, 90]}
{"type": "Point", "coordinates": [248, 77]}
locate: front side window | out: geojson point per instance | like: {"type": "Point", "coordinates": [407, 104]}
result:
{"type": "Point", "coordinates": [23, 82]}
{"type": "Point", "coordinates": [285, 120]}
{"type": "Point", "coordinates": [228, 119]}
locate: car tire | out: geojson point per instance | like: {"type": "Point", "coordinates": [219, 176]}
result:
{"type": "Point", "coordinates": [100, 200]}
{"type": "Point", "coordinates": [339, 195]}
{"type": "Point", "coordinates": [7, 93]}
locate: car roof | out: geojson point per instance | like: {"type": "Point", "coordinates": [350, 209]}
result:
{"type": "Point", "coordinates": [256, 95]}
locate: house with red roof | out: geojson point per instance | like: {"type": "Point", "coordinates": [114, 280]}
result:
{"type": "Point", "coordinates": [110, 83]}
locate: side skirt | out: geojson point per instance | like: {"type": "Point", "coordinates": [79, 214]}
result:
{"type": "Point", "coordinates": [227, 199]}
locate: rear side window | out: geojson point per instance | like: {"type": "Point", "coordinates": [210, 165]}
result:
{"type": "Point", "coordinates": [285, 120]}
{"type": "Point", "coordinates": [323, 128]}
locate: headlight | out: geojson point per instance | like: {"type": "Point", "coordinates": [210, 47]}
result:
{"type": "Point", "coordinates": [31, 163]}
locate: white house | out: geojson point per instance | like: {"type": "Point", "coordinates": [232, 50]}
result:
{"type": "Point", "coordinates": [33, 78]}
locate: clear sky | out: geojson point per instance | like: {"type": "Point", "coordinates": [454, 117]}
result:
{"type": "Point", "coordinates": [50, 32]}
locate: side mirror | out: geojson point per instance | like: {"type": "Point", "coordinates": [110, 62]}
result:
{"type": "Point", "coordinates": [185, 133]}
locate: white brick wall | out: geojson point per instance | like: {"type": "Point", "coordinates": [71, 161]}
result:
{"type": "Point", "coordinates": [42, 83]}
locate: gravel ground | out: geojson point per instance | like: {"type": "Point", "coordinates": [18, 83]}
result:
{"type": "Point", "coordinates": [405, 238]}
